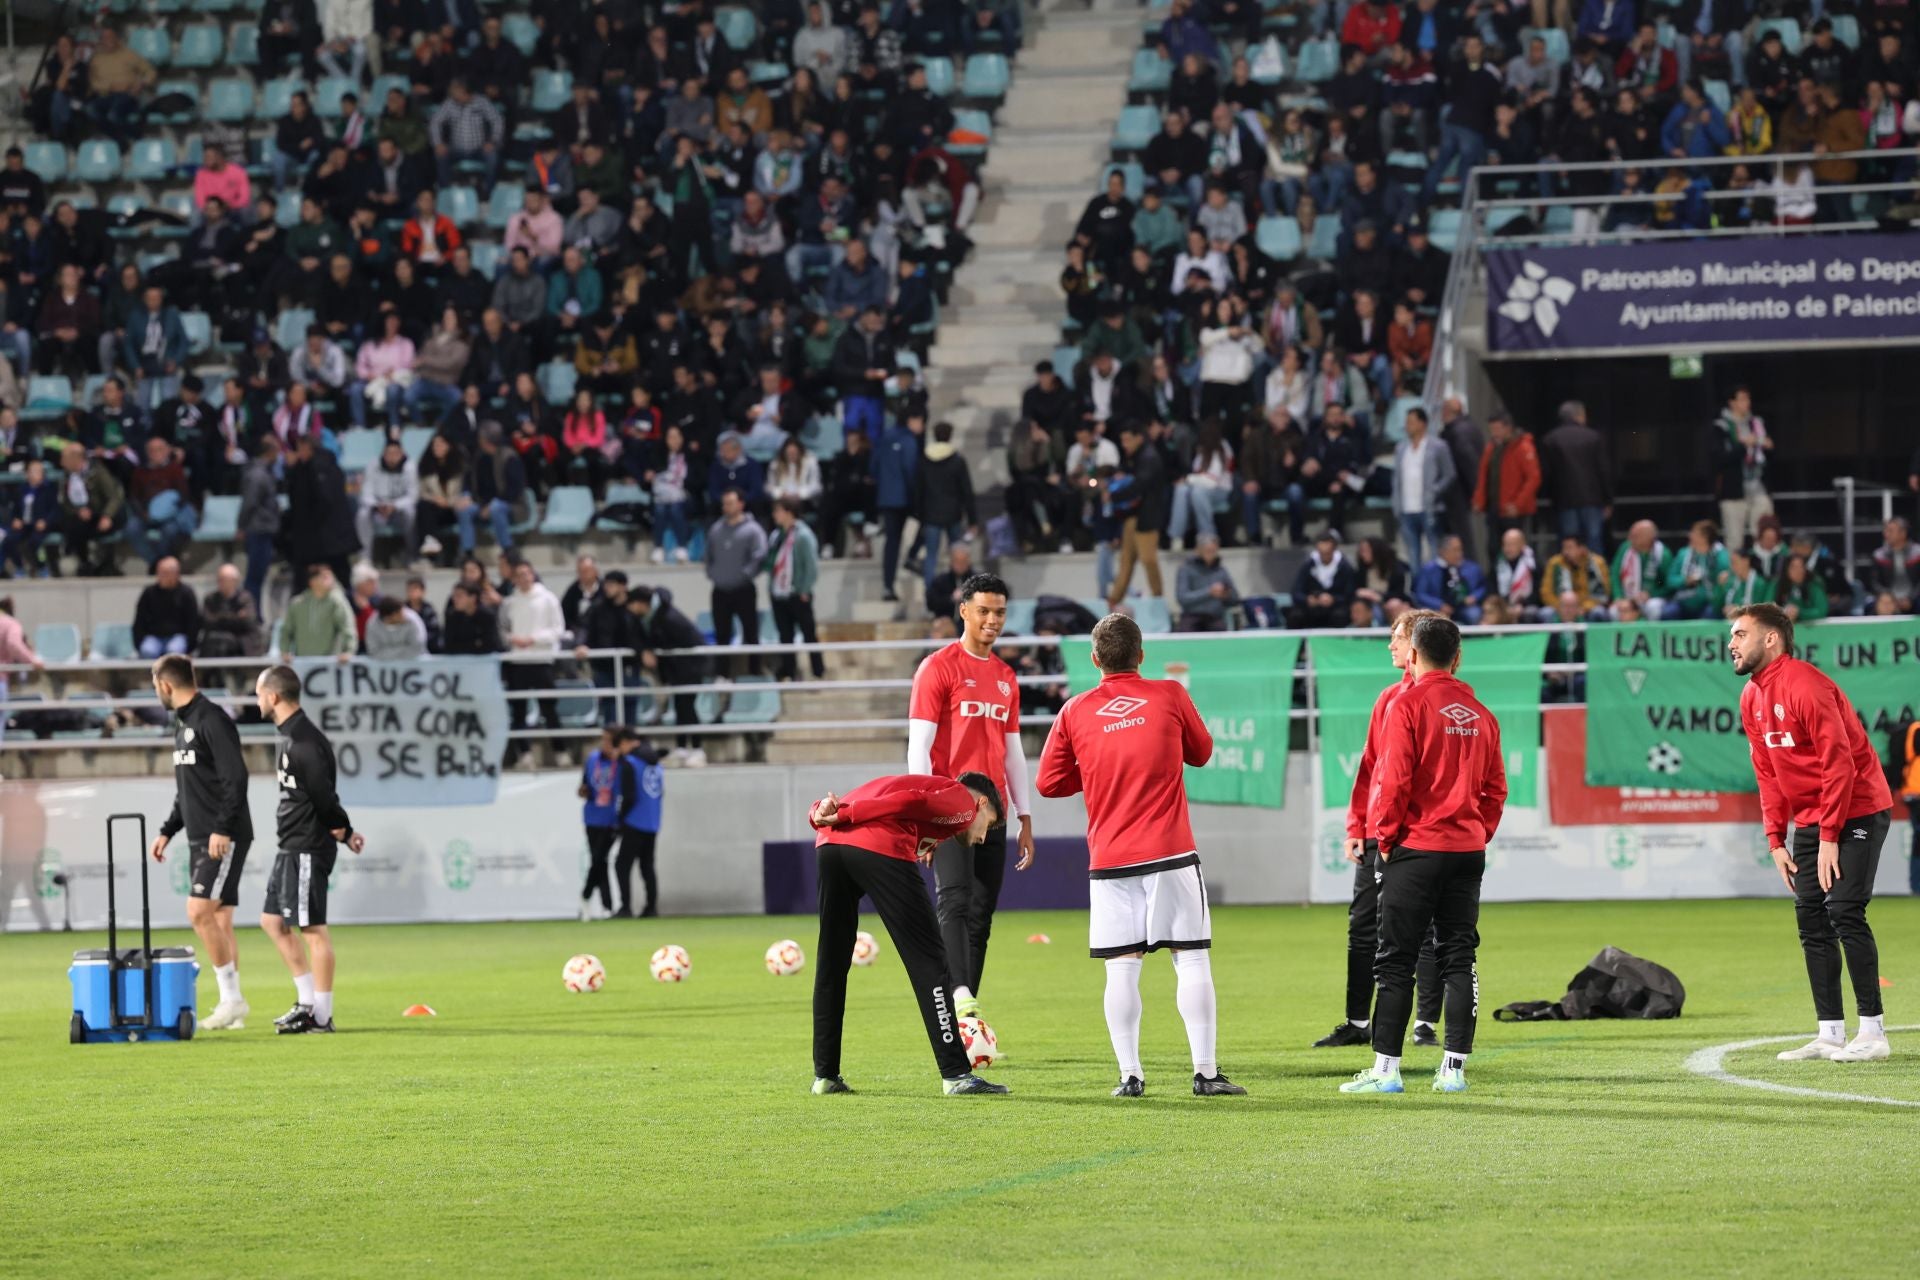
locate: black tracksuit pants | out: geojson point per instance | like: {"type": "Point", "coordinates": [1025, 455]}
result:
{"type": "Point", "coordinates": [636, 846]}
{"type": "Point", "coordinates": [967, 880]}
{"type": "Point", "coordinates": [1363, 940]}
{"type": "Point", "coordinates": [599, 846]}
{"type": "Point", "coordinates": [1424, 893]}
{"type": "Point", "coordinates": [900, 898]}
{"type": "Point", "coordinates": [1835, 922]}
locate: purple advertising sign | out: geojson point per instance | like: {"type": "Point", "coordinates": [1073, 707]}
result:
{"type": "Point", "coordinates": [1784, 290]}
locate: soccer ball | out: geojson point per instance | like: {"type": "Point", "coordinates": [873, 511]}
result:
{"type": "Point", "coordinates": [978, 1040]}
{"type": "Point", "coordinates": [583, 973]}
{"type": "Point", "coordinates": [785, 957]}
{"type": "Point", "coordinates": [1664, 757]}
{"type": "Point", "coordinates": [671, 964]}
{"type": "Point", "coordinates": [864, 948]}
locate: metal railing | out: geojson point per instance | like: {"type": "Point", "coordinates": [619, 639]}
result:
{"type": "Point", "coordinates": [1476, 209]}
{"type": "Point", "coordinates": [151, 736]}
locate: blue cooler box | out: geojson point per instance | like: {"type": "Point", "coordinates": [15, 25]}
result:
{"type": "Point", "coordinates": [174, 1013]}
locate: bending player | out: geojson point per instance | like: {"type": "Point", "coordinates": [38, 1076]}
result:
{"type": "Point", "coordinates": [1363, 916]}
{"type": "Point", "coordinates": [1441, 789]}
{"type": "Point", "coordinates": [210, 805]}
{"type": "Point", "coordinates": [868, 842]}
{"type": "Point", "coordinates": [1816, 769]}
{"type": "Point", "coordinates": [311, 823]}
{"type": "Point", "coordinates": [966, 719]}
{"type": "Point", "coordinates": [1123, 742]}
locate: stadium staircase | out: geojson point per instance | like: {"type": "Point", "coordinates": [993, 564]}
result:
{"type": "Point", "coordinates": [1050, 144]}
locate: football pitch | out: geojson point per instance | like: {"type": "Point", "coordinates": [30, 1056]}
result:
{"type": "Point", "coordinates": [657, 1129]}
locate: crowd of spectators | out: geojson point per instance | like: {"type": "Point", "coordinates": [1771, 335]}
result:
{"type": "Point", "coordinates": [701, 260]}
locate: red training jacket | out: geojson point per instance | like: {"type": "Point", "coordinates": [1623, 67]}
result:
{"type": "Point", "coordinates": [1810, 754]}
{"type": "Point", "coordinates": [891, 816]}
{"type": "Point", "coordinates": [1123, 742]}
{"type": "Point", "coordinates": [1363, 787]}
{"type": "Point", "coordinates": [1441, 783]}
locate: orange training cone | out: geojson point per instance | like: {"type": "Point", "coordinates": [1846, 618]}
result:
{"type": "Point", "coordinates": [419, 1011]}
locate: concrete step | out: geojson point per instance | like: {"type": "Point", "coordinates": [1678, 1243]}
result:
{"type": "Point", "coordinates": [1064, 162]}
{"type": "Point", "coordinates": [1077, 104]}
{"type": "Point", "coordinates": [1038, 223]}
{"type": "Point", "coordinates": [1037, 297]}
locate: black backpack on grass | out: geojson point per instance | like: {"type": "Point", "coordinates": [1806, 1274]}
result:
{"type": "Point", "coordinates": [1615, 984]}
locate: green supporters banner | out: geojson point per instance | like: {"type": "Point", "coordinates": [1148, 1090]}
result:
{"type": "Point", "coordinates": [1663, 703]}
{"type": "Point", "coordinates": [1243, 689]}
{"type": "Point", "coordinates": [1350, 671]}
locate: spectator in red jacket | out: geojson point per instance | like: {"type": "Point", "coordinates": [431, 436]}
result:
{"type": "Point", "coordinates": [1507, 491]}
{"type": "Point", "coordinates": [1817, 770]}
{"type": "Point", "coordinates": [429, 238]}
{"type": "Point", "coordinates": [1372, 27]}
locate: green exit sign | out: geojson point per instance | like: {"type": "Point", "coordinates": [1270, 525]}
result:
{"type": "Point", "coordinates": [1679, 367]}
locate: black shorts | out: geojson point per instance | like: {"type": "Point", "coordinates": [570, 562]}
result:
{"type": "Point", "coordinates": [297, 889]}
{"type": "Point", "coordinates": [217, 879]}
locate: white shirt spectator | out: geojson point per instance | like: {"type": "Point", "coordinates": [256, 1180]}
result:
{"type": "Point", "coordinates": [535, 614]}
{"type": "Point", "coordinates": [1104, 454]}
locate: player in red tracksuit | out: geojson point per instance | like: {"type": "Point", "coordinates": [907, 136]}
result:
{"type": "Point", "coordinates": [965, 718]}
{"type": "Point", "coordinates": [1817, 770]}
{"type": "Point", "coordinates": [1440, 789]}
{"type": "Point", "coordinates": [1363, 916]}
{"type": "Point", "coordinates": [1123, 743]}
{"type": "Point", "coordinates": [867, 844]}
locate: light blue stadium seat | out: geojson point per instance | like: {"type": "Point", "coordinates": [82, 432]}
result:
{"type": "Point", "coordinates": [1846, 29]}
{"type": "Point", "coordinates": [1020, 617]}
{"type": "Point", "coordinates": [517, 27]}
{"type": "Point", "coordinates": [119, 207]}
{"type": "Point", "coordinates": [503, 204]}
{"type": "Point", "coordinates": [1414, 161]}
{"type": "Point", "coordinates": [754, 700]}
{"type": "Point", "coordinates": [551, 90]}
{"type": "Point", "coordinates": [486, 257]}
{"type": "Point", "coordinates": [113, 641]}
{"type": "Point", "coordinates": [1396, 428]}
{"type": "Point", "coordinates": [360, 449]}
{"type": "Point", "coordinates": [939, 76]}
{"type": "Point", "coordinates": [414, 441]}
{"type": "Point", "coordinates": [189, 89]}
{"type": "Point", "coordinates": [1789, 34]}
{"type": "Point", "coordinates": [1279, 238]}
{"type": "Point", "coordinates": [1559, 220]}
{"type": "Point", "coordinates": [214, 6]}
{"type": "Point", "coordinates": [738, 27]}
{"type": "Point", "coordinates": [219, 519]}
{"type": "Point", "coordinates": [971, 121]}
{"type": "Point", "coordinates": [151, 43]}
{"type": "Point", "coordinates": [768, 73]}
{"type": "Point", "coordinates": [290, 328]}
{"type": "Point", "coordinates": [287, 212]}
{"type": "Point", "coordinates": [151, 159]}
{"type": "Point", "coordinates": [327, 95]}
{"type": "Point", "coordinates": [556, 379]}
{"type": "Point", "coordinates": [986, 78]}
{"type": "Point", "coordinates": [57, 642]}
{"type": "Point", "coordinates": [98, 161]}
{"type": "Point", "coordinates": [1500, 215]}
{"type": "Point", "coordinates": [1064, 359]}
{"type": "Point", "coordinates": [569, 511]}
{"type": "Point", "coordinates": [230, 99]}
{"type": "Point", "coordinates": [1133, 172]}
{"type": "Point", "coordinates": [243, 50]}
{"type": "Point", "coordinates": [1719, 93]}
{"type": "Point", "coordinates": [1135, 128]}
{"type": "Point", "coordinates": [461, 205]}
{"type": "Point", "coordinates": [48, 159]}
{"type": "Point", "coordinates": [1443, 228]}
{"type": "Point", "coordinates": [1152, 614]}
{"type": "Point", "coordinates": [1319, 61]}
{"type": "Point", "coordinates": [198, 325]}
{"type": "Point", "coordinates": [201, 45]}
{"type": "Point", "coordinates": [47, 396]}
{"type": "Point", "coordinates": [625, 494]}
{"type": "Point", "coordinates": [824, 437]}
{"type": "Point", "coordinates": [1325, 244]}
{"type": "Point", "coordinates": [276, 96]}
{"type": "Point", "coordinates": [577, 706]}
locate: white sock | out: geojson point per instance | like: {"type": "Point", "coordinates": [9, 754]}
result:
{"type": "Point", "coordinates": [303, 989]}
{"type": "Point", "coordinates": [1123, 1013]}
{"type": "Point", "coordinates": [1421, 1022]}
{"type": "Point", "coordinates": [1193, 992]}
{"type": "Point", "coordinates": [1362, 1023]}
{"type": "Point", "coordinates": [228, 977]}
{"type": "Point", "coordinates": [1453, 1061]}
{"type": "Point", "coordinates": [1874, 1025]}
{"type": "Point", "coordinates": [962, 994]}
{"type": "Point", "coordinates": [1385, 1066]}
{"type": "Point", "coordinates": [323, 1006]}
{"type": "Point", "coordinates": [1833, 1030]}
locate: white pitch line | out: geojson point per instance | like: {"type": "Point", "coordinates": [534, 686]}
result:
{"type": "Point", "coordinates": [1707, 1062]}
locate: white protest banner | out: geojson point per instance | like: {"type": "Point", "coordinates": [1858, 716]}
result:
{"type": "Point", "coordinates": [427, 732]}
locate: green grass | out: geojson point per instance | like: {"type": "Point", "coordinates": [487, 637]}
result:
{"type": "Point", "coordinates": [667, 1130]}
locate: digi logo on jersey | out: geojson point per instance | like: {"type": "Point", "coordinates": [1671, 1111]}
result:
{"type": "Point", "coordinates": [1463, 718]}
{"type": "Point", "coordinates": [970, 710]}
{"type": "Point", "coordinates": [1780, 738]}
